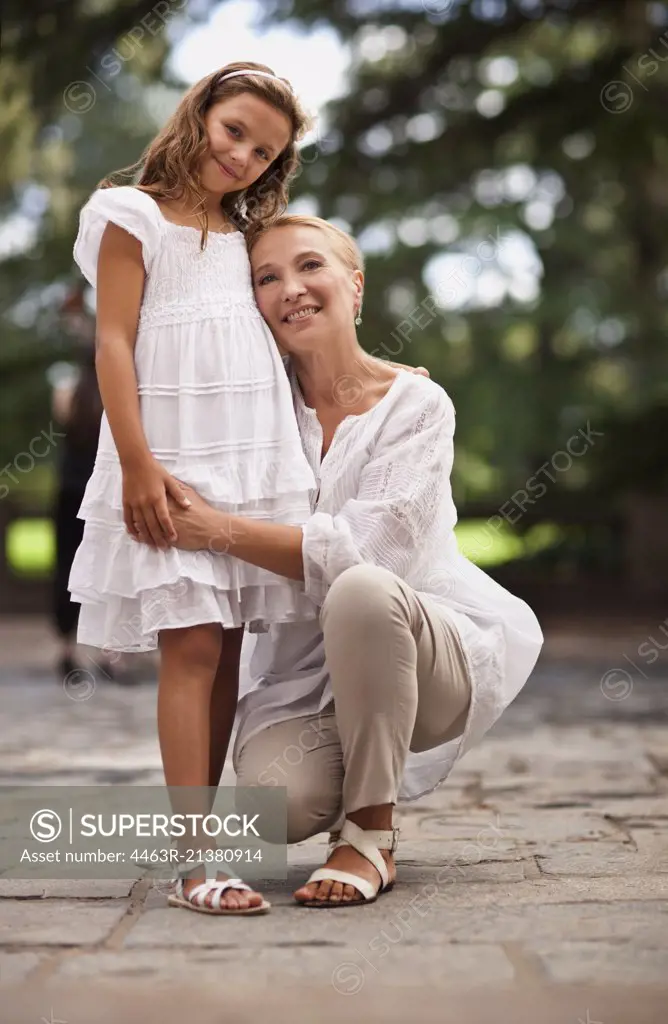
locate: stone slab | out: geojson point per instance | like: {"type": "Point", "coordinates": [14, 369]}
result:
{"type": "Point", "coordinates": [462, 824]}
{"type": "Point", "coordinates": [606, 962]}
{"type": "Point", "coordinates": [516, 830]}
{"type": "Point", "coordinates": [643, 924]}
{"type": "Point", "coordinates": [345, 968]}
{"type": "Point", "coordinates": [57, 922]}
{"type": "Point", "coordinates": [600, 859]}
{"type": "Point", "coordinates": [425, 915]}
{"type": "Point", "coordinates": [586, 790]}
{"type": "Point", "coordinates": [79, 888]}
{"type": "Point", "coordinates": [462, 851]}
{"type": "Point", "coordinates": [500, 872]}
{"type": "Point", "coordinates": [651, 841]}
{"type": "Point", "coordinates": [456, 853]}
{"type": "Point", "coordinates": [638, 810]}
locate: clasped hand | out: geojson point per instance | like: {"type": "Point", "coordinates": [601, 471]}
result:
{"type": "Point", "coordinates": [151, 498]}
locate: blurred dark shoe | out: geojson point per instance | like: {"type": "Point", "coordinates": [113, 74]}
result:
{"type": "Point", "coordinates": [118, 670]}
{"type": "Point", "coordinates": [65, 667]}
{"type": "Point", "coordinates": [106, 670]}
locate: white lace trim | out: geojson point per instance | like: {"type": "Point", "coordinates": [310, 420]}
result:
{"type": "Point", "coordinates": [158, 315]}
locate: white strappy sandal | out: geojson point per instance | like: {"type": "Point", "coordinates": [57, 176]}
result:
{"type": "Point", "coordinates": [196, 899]}
{"type": "Point", "coordinates": [367, 842]}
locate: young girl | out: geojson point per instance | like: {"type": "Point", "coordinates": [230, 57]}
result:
{"type": "Point", "coordinates": [193, 390]}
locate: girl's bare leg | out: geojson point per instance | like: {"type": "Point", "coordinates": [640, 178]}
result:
{"type": "Point", "coordinates": [224, 702]}
{"type": "Point", "coordinates": [188, 669]}
{"type": "Point", "coordinates": [188, 663]}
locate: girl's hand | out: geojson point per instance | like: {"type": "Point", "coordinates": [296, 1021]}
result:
{"type": "Point", "coordinates": [145, 512]}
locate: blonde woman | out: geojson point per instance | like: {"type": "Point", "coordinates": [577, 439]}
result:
{"type": "Point", "coordinates": [416, 651]}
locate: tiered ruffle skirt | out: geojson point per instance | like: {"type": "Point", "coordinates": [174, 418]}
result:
{"type": "Point", "coordinates": [217, 413]}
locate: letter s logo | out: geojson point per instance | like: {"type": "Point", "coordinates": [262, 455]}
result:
{"type": "Point", "coordinates": [45, 826]}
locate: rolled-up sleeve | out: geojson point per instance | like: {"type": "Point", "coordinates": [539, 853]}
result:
{"type": "Point", "coordinates": [404, 498]}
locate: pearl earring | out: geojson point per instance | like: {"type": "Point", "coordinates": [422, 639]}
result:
{"type": "Point", "coordinates": [358, 319]}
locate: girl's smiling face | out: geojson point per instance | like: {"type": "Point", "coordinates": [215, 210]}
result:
{"type": "Point", "coordinates": [303, 287]}
{"type": "Point", "coordinates": [245, 135]}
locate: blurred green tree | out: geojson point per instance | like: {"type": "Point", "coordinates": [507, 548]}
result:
{"type": "Point", "coordinates": [82, 88]}
{"type": "Point", "coordinates": [523, 139]}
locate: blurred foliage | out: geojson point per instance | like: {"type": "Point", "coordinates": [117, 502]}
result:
{"type": "Point", "coordinates": [80, 83]}
{"type": "Point", "coordinates": [522, 140]}
{"type": "Point", "coordinates": [632, 455]}
{"type": "Point", "coordinates": [466, 125]}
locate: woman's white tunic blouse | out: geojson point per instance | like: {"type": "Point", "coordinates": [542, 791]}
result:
{"type": "Point", "coordinates": [216, 410]}
{"type": "Point", "coordinates": [385, 498]}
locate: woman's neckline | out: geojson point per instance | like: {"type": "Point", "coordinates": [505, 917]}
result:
{"type": "Point", "coordinates": [185, 227]}
{"type": "Point", "coordinates": [352, 415]}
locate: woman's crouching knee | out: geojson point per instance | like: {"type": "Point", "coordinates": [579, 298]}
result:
{"type": "Point", "coordinates": [295, 813]}
{"type": "Point", "coordinates": [361, 598]}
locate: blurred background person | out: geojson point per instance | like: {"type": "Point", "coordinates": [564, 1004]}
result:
{"type": "Point", "coordinates": [77, 411]}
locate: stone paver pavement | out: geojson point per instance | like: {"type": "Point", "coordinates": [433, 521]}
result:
{"type": "Point", "coordinates": [533, 885]}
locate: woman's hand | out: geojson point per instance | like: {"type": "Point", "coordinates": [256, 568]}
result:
{"type": "Point", "coordinates": [420, 371]}
{"type": "Point", "coordinates": [199, 527]}
{"type": "Point", "coordinates": [146, 487]}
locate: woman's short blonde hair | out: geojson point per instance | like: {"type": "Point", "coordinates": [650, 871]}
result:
{"type": "Point", "coordinates": [345, 245]}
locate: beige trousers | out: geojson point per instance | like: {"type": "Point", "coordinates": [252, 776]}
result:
{"type": "Point", "coordinates": [399, 683]}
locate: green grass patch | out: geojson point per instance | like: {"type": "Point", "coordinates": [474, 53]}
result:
{"type": "Point", "coordinates": [489, 546]}
{"type": "Point", "coordinates": [30, 546]}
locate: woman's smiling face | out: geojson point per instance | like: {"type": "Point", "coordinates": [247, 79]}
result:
{"type": "Point", "coordinates": [304, 289]}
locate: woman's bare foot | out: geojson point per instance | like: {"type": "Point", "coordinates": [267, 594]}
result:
{"type": "Point", "coordinates": [345, 858]}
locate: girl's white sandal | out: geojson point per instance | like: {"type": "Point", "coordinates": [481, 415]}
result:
{"type": "Point", "coordinates": [197, 900]}
{"type": "Point", "coordinates": [367, 842]}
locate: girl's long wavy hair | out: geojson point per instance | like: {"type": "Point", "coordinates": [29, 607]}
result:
{"type": "Point", "coordinates": [169, 167]}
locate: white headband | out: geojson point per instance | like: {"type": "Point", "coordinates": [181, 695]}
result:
{"type": "Point", "coordinates": [256, 74]}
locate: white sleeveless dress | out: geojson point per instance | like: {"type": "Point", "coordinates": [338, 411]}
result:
{"type": "Point", "coordinates": [217, 412]}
